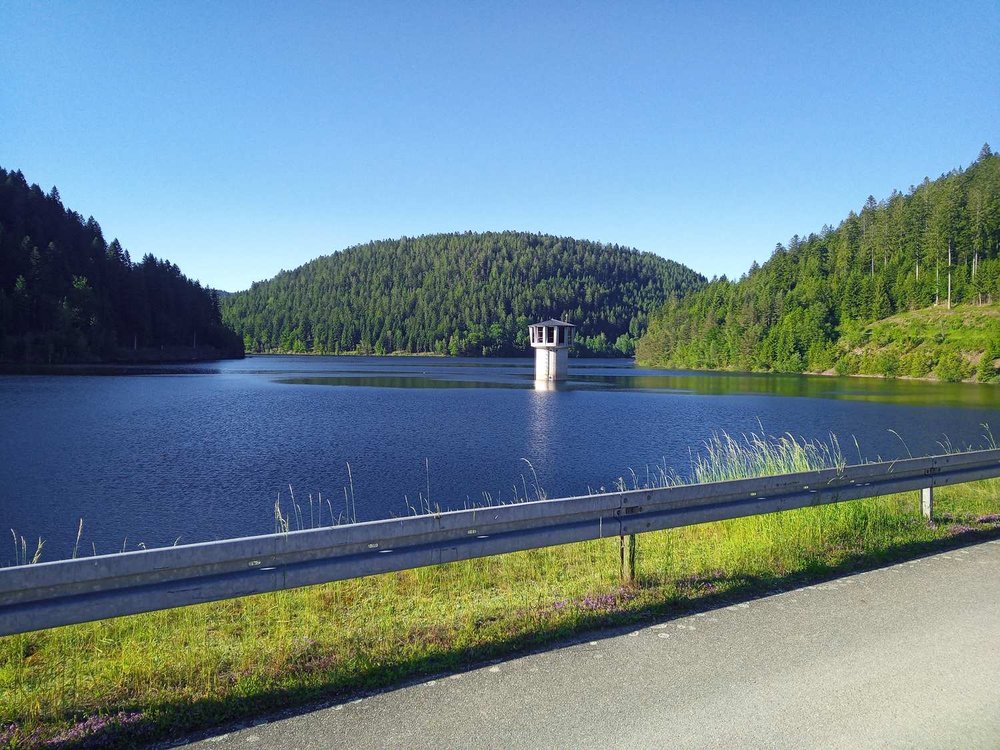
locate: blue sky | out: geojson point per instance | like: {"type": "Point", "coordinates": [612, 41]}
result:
{"type": "Point", "coordinates": [238, 139]}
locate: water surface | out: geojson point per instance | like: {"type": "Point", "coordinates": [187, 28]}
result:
{"type": "Point", "coordinates": [151, 455]}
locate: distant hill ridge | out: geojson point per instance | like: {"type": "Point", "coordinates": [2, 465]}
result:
{"type": "Point", "coordinates": [460, 293]}
{"type": "Point", "coordinates": [813, 306]}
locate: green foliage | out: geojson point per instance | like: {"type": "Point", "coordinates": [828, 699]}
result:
{"type": "Point", "coordinates": [987, 371]}
{"type": "Point", "coordinates": [66, 295]}
{"type": "Point", "coordinates": [918, 364]}
{"type": "Point", "coordinates": [847, 365]}
{"type": "Point", "coordinates": [932, 341]}
{"type": "Point", "coordinates": [952, 368]}
{"type": "Point", "coordinates": [472, 294]}
{"type": "Point", "coordinates": [883, 362]}
{"type": "Point", "coordinates": [809, 307]}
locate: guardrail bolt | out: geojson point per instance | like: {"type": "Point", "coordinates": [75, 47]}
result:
{"type": "Point", "coordinates": [626, 545]}
{"type": "Point", "coordinates": [927, 502]}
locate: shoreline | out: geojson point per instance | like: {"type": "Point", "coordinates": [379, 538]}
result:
{"type": "Point", "coordinates": [823, 374]}
{"type": "Point", "coordinates": [528, 354]}
{"type": "Point", "coordinates": [99, 365]}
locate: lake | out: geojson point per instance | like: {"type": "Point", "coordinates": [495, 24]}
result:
{"type": "Point", "coordinates": [153, 455]}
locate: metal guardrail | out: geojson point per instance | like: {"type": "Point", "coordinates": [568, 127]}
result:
{"type": "Point", "coordinates": [64, 592]}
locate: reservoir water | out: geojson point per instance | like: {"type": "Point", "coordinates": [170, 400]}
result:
{"type": "Point", "coordinates": [152, 455]}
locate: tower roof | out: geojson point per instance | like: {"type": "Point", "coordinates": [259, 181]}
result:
{"type": "Point", "coordinates": [554, 322]}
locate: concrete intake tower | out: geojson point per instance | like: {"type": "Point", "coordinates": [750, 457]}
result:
{"type": "Point", "coordinates": [551, 340]}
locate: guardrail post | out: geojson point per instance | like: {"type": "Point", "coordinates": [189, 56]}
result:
{"type": "Point", "coordinates": [626, 545]}
{"type": "Point", "coordinates": [927, 502]}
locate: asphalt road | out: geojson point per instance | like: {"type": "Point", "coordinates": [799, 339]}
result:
{"type": "Point", "coordinates": [903, 657]}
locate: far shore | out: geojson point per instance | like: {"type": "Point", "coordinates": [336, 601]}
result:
{"type": "Point", "coordinates": [824, 374]}
{"type": "Point", "coordinates": [124, 358]}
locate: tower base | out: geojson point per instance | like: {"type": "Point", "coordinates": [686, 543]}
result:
{"type": "Point", "coordinates": [551, 364]}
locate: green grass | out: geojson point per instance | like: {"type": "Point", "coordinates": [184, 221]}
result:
{"type": "Point", "coordinates": [151, 676]}
{"type": "Point", "coordinates": [933, 342]}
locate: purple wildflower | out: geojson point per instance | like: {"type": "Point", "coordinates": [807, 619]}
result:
{"type": "Point", "coordinates": [959, 528]}
{"type": "Point", "coordinates": [7, 733]}
{"type": "Point", "coordinates": [11, 736]}
{"type": "Point", "coordinates": [610, 602]}
{"type": "Point", "coordinates": [95, 731]}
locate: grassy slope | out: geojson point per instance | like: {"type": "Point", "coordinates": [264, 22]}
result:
{"type": "Point", "coordinates": [138, 678]}
{"type": "Point", "coordinates": [933, 342]}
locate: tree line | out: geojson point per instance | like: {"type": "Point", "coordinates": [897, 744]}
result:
{"type": "Point", "coordinates": [67, 295]}
{"type": "Point", "coordinates": [460, 294]}
{"type": "Point", "coordinates": [808, 307]}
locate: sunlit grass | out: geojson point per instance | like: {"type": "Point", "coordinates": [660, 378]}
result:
{"type": "Point", "coordinates": [159, 673]}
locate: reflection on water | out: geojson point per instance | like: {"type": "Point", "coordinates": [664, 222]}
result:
{"type": "Point", "coordinates": [542, 413]}
{"type": "Point", "coordinates": [622, 375]}
{"type": "Point", "coordinates": [811, 386]}
{"type": "Point", "coordinates": [195, 368]}
{"type": "Point", "coordinates": [387, 381]}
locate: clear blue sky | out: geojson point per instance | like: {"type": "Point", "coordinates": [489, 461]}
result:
{"type": "Point", "coordinates": [238, 138]}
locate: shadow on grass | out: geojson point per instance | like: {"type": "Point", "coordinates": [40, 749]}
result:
{"type": "Point", "coordinates": [611, 615]}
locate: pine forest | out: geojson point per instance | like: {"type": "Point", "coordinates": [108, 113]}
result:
{"type": "Point", "coordinates": [67, 295]}
{"type": "Point", "coordinates": [459, 294]}
{"type": "Point", "coordinates": [907, 286]}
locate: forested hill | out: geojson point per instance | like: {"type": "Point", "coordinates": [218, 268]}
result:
{"type": "Point", "coordinates": [459, 294]}
{"type": "Point", "coordinates": [811, 306]}
{"type": "Point", "coordinates": [67, 295]}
